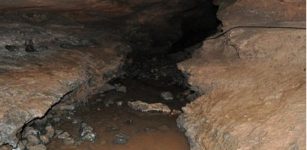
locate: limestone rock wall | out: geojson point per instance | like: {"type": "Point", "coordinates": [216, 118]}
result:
{"type": "Point", "coordinates": [253, 80]}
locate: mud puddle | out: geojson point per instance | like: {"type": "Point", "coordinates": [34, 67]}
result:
{"type": "Point", "coordinates": [118, 127]}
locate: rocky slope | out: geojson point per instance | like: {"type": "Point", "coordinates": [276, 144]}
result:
{"type": "Point", "coordinates": [253, 80]}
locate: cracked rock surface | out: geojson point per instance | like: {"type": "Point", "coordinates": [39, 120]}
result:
{"type": "Point", "coordinates": [252, 80]}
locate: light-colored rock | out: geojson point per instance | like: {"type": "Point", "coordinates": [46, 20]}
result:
{"type": "Point", "coordinates": [44, 139]}
{"type": "Point", "coordinates": [261, 13]}
{"type": "Point", "coordinates": [168, 96]}
{"type": "Point", "coordinates": [254, 85]}
{"type": "Point", "coordinates": [145, 107]}
{"type": "Point", "coordinates": [49, 131]}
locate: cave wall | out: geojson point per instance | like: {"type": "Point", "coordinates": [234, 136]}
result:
{"type": "Point", "coordinates": [253, 79]}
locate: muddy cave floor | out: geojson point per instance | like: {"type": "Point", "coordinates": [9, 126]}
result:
{"type": "Point", "coordinates": [106, 122]}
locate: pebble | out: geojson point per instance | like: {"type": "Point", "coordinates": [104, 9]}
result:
{"type": "Point", "coordinates": [122, 89]}
{"type": "Point", "coordinates": [121, 138]}
{"type": "Point", "coordinates": [69, 141]}
{"type": "Point", "coordinates": [107, 87]}
{"type": "Point", "coordinates": [119, 103]}
{"type": "Point", "coordinates": [37, 147]}
{"type": "Point", "coordinates": [56, 119]}
{"type": "Point", "coordinates": [44, 139]}
{"type": "Point", "coordinates": [108, 102]}
{"type": "Point", "coordinates": [75, 121]}
{"type": "Point", "coordinates": [64, 135]}
{"type": "Point", "coordinates": [67, 107]}
{"type": "Point", "coordinates": [87, 133]}
{"type": "Point", "coordinates": [58, 132]}
{"type": "Point", "coordinates": [49, 131]}
{"type": "Point", "coordinates": [167, 96]}
{"type": "Point", "coordinates": [32, 140]}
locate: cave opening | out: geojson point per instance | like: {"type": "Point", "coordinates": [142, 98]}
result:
{"type": "Point", "coordinates": [138, 106]}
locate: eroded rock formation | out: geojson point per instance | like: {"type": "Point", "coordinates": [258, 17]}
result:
{"type": "Point", "coordinates": [253, 80]}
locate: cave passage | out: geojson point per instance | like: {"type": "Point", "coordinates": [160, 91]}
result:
{"type": "Point", "coordinates": [138, 107]}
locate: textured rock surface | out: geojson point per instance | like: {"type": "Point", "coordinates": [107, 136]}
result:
{"type": "Point", "coordinates": [261, 13]}
{"type": "Point", "coordinates": [253, 80]}
{"type": "Point", "coordinates": [30, 84]}
{"type": "Point", "coordinates": [254, 85]}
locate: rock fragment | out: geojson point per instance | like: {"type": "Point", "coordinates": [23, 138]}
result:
{"type": "Point", "coordinates": [87, 133]}
{"type": "Point", "coordinates": [168, 96]}
{"type": "Point", "coordinates": [145, 107]}
{"type": "Point", "coordinates": [49, 131]}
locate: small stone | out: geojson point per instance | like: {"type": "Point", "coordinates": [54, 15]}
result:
{"type": "Point", "coordinates": [64, 135]}
{"type": "Point", "coordinates": [75, 121]}
{"type": "Point", "coordinates": [121, 138]}
{"type": "Point", "coordinates": [119, 103]}
{"type": "Point", "coordinates": [87, 133]}
{"type": "Point", "coordinates": [122, 89]}
{"type": "Point", "coordinates": [67, 107]}
{"type": "Point", "coordinates": [176, 112]}
{"type": "Point", "coordinates": [37, 147]}
{"type": "Point", "coordinates": [69, 141]}
{"type": "Point", "coordinates": [108, 102]}
{"type": "Point", "coordinates": [49, 131]}
{"type": "Point", "coordinates": [145, 107]}
{"type": "Point", "coordinates": [107, 87]}
{"type": "Point", "coordinates": [56, 119]}
{"type": "Point", "coordinates": [68, 117]}
{"type": "Point", "coordinates": [44, 139]}
{"type": "Point", "coordinates": [167, 96]}
{"type": "Point", "coordinates": [32, 140]}
{"type": "Point", "coordinates": [58, 132]}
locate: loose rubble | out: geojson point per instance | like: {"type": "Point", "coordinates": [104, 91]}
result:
{"type": "Point", "coordinates": [86, 133]}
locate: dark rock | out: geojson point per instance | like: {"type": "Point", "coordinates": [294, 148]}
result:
{"type": "Point", "coordinates": [29, 46]}
{"type": "Point", "coordinates": [11, 48]}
